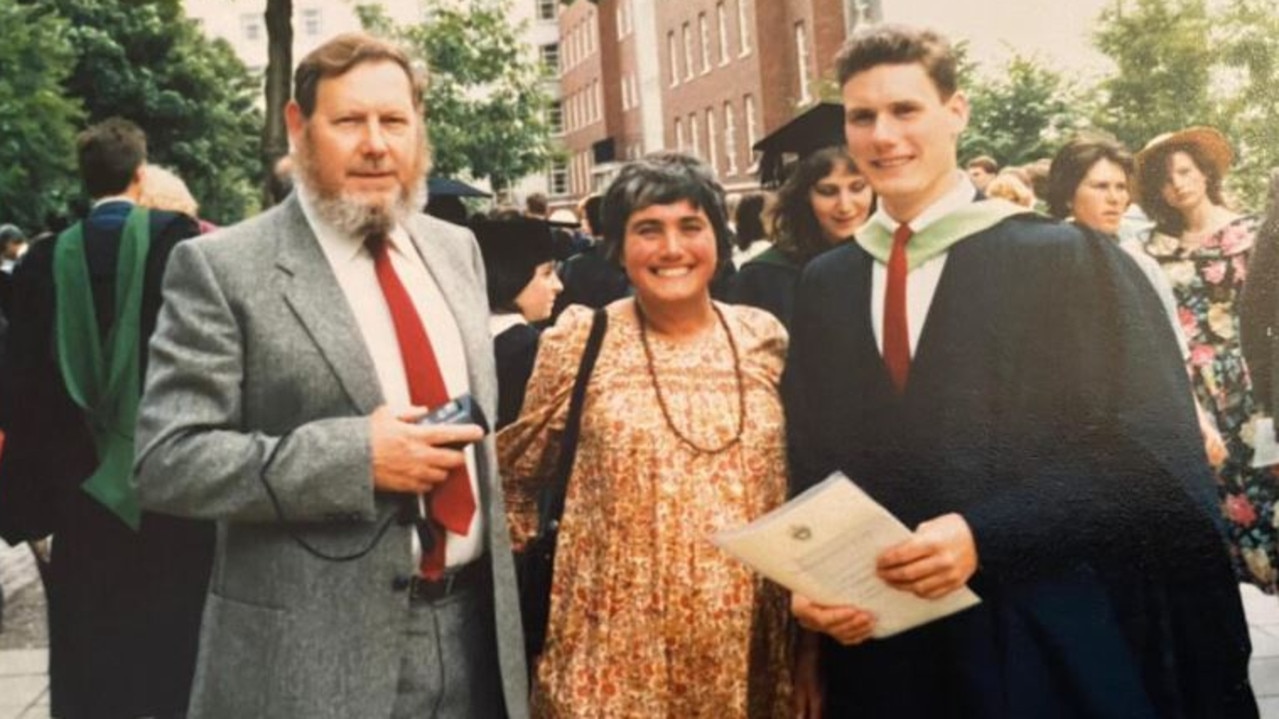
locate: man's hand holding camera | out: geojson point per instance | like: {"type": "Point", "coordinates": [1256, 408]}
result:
{"type": "Point", "coordinates": [412, 458]}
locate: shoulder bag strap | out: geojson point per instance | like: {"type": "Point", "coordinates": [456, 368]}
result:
{"type": "Point", "coordinates": [554, 507]}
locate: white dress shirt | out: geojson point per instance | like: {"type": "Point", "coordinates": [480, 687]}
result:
{"type": "Point", "coordinates": [921, 282]}
{"type": "Point", "coordinates": [352, 264]}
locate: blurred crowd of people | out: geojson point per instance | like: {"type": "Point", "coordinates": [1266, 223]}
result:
{"type": "Point", "coordinates": [1061, 377]}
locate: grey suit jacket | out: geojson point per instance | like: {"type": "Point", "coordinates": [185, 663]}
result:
{"type": "Point", "coordinates": [259, 377]}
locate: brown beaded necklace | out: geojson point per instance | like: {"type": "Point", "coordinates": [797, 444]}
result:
{"type": "Point", "coordinates": [661, 400]}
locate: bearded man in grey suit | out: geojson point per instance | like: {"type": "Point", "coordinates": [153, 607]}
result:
{"type": "Point", "coordinates": [282, 400]}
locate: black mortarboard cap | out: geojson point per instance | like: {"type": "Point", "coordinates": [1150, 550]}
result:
{"type": "Point", "coordinates": [817, 128]}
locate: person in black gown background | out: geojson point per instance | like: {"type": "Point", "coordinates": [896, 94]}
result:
{"type": "Point", "coordinates": [519, 261]}
{"type": "Point", "coordinates": [825, 199]}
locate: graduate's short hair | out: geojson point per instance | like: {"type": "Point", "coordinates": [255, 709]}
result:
{"type": "Point", "coordinates": [1073, 161]}
{"type": "Point", "coordinates": [891, 44]}
{"type": "Point", "coordinates": [109, 155]}
{"type": "Point", "coordinates": [663, 178]}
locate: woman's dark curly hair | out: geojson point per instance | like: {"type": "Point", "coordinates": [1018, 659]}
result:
{"type": "Point", "coordinates": [1154, 174]}
{"type": "Point", "coordinates": [796, 231]}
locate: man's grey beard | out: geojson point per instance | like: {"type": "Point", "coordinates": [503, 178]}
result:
{"type": "Point", "coordinates": [353, 217]}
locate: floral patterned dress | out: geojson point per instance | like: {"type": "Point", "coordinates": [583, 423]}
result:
{"type": "Point", "coordinates": [1207, 281]}
{"type": "Point", "coordinates": [648, 618]}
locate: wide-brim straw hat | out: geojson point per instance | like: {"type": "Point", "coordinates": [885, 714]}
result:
{"type": "Point", "coordinates": [1212, 145]}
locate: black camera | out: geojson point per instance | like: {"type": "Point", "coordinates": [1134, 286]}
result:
{"type": "Point", "coordinates": [462, 409]}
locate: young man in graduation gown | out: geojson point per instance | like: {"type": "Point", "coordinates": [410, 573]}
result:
{"type": "Point", "coordinates": [1008, 387]}
{"type": "Point", "coordinates": [125, 588]}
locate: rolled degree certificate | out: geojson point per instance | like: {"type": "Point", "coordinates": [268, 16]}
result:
{"type": "Point", "coordinates": [823, 544]}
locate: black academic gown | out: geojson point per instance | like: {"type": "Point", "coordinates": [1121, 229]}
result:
{"type": "Point", "coordinates": [590, 279]}
{"type": "Point", "coordinates": [767, 282]}
{"type": "Point", "coordinates": [1048, 405]}
{"type": "Point", "coordinates": [124, 607]}
{"type": "Point", "coordinates": [515, 350]}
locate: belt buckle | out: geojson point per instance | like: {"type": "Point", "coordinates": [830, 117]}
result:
{"type": "Point", "coordinates": [448, 581]}
{"type": "Point", "coordinates": [433, 590]}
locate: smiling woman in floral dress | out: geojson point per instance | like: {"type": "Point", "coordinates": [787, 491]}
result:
{"type": "Point", "coordinates": [681, 436]}
{"type": "Point", "coordinates": [1204, 248]}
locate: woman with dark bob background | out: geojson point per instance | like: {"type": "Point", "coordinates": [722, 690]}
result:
{"type": "Point", "coordinates": [1090, 184]}
{"type": "Point", "coordinates": [822, 203]}
{"type": "Point", "coordinates": [750, 233]}
{"type": "Point", "coordinates": [681, 436]}
{"type": "Point", "coordinates": [1203, 248]}
{"type": "Point", "coordinates": [519, 265]}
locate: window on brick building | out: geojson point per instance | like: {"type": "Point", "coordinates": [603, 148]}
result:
{"type": "Point", "coordinates": [546, 9]}
{"type": "Point", "coordinates": [688, 52]}
{"type": "Point", "coordinates": [802, 61]}
{"type": "Point", "coordinates": [673, 52]}
{"type": "Point", "coordinates": [551, 56]}
{"type": "Point", "coordinates": [712, 146]}
{"type": "Point", "coordinates": [743, 27]}
{"type": "Point", "coordinates": [752, 129]}
{"type": "Point", "coordinates": [704, 31]}
{"type": "Point", "coordinates": [730, 139]}
{"type": "Point", "coordinates": [555, 117]}
{"type": "Point", "coordinates": [721, 16]}
{"type": "Point", "coordinates": [557, 179]}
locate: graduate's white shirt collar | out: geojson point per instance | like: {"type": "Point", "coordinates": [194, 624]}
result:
{"type": "Point", "coordinates": [961, 194]}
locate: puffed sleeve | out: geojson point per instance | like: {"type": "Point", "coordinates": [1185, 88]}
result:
{"type": "Point", "coordinates": [528, 449]}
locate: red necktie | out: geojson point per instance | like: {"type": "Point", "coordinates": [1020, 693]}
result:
{"type": "Point", "coordinates": [896, 335]}
{"type": "Point", "coordinates": [452, 502]}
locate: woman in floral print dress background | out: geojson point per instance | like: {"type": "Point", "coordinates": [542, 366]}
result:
{"type": "Point", "coordinates": [1204, 249]}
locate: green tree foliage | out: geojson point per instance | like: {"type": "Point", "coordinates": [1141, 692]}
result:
{"type": "Point", "coordinates": [485, 104]}
{"type": "Point", "coordinates": [1188, 62]}
{"type": "Point", "coordinates": [1021, 113]}
{"type": "Point", "coordinates": [37, 122]}
{"type": "Point", "coordinates": [1251, 58]}
{"type": "Point", "coordinates": [1162, 52]}
{"type": "Point", "coordinates": [142, 59]}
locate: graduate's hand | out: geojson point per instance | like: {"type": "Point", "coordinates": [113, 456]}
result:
{"type": "Point", "coordinates": [938, 559]}
{"type": "Point", "coordinates": [847, 624]}
{"type": "Point", "coordinates": [809, 688]}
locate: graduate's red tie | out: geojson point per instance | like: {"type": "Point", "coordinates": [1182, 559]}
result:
{"type": "Point", "coordinates": [452, 502]}
{"type": "Point", "coordinates": [896, 334]}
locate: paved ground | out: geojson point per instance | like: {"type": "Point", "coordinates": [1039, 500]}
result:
{"type": "Point", "coordinates": [24, 686]}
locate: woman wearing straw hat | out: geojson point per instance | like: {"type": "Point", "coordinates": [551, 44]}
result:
{"type": "Point", "coordinates": [1204, 247]}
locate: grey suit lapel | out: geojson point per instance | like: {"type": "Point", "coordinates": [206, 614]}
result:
{"type": "Point", "coordinates": [312, 292]}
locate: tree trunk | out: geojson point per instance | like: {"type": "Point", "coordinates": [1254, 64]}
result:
{"type": "Point", "coordinates": [275, 139]}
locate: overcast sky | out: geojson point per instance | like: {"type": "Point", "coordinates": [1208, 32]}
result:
{"type": "Point", "coordinates": [1056, 30]}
